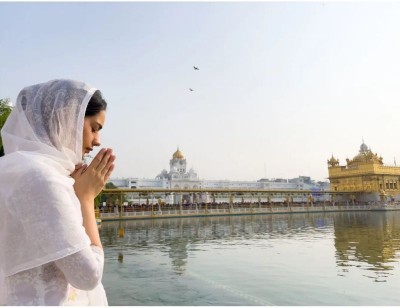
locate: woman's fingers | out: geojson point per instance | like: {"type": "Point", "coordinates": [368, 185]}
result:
{"type": "Point", "coordinates": [109, 171]}
{"type": "Point", "coordinates": [101, 160]}
{"type": "Point", "coordinates": [79, 169]}
{"type": "Point", "coordinates": [108, 165]}
{"type": "Point", "coordinates": [104, 162]}
{"type": "Point", "coordinates": [90, 180]}
{"type": "Point", "coordinates": [78, 166]}
{"type": "Point", "coordinates": [98, 158]}
{"type": "Point", "coordinates": [76, 169]}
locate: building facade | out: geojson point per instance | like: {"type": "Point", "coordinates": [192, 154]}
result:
{"type": "Point", "coordinates": [179, 178]}
{"type": "Point", "coordinates": [366, 176]}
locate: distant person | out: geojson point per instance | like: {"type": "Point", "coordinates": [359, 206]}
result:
{"type": "Point", "coordinates": [51, 252]}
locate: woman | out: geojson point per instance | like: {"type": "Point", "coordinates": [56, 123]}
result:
{"type": "Point", "coordinates": [51, 252]}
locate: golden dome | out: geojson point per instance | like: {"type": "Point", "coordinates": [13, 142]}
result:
{"type": "Point", "coordinates": [178, 154]}
{"type": "Point", "coordinates": [365, 155]}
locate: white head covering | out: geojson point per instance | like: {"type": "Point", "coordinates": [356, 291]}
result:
{"type": "Point", "coordinates": [48, 119]}
{"type": "Point", "coordinates": [40, 218]}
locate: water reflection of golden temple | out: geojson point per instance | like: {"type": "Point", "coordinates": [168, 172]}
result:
{"type": "Point", "coordinates": [366, 176]}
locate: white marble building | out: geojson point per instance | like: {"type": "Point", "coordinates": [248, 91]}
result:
{"type": "Point", "coordinates": [178, 178]}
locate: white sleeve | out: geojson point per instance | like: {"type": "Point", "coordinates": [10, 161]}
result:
{"type": "Point", "coordinates": [84, 269]}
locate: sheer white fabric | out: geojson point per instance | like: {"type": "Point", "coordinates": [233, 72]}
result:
{"type": "Point", "coordinates": [41, 219]}
{"type": "Point", "coordinates": [76, 295]}
{"type": "Point", "coordinates": [47, 285]}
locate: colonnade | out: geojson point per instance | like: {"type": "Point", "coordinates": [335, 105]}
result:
{"type": "Point", "coordinates": [158, 199]}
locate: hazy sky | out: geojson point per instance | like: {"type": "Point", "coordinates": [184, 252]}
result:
{"type": "Point", "coordinates": [281, 86]}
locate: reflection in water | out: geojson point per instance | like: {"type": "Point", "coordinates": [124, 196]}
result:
{"type": "Point", "coordinates": [283, 257]}
{"type": "Point", "coordinates": [370, 238]}
{"type": "Point", "coordinates": [367, 237]}
{"type": "Point", "coordinates": [178, 249]}
{"type": "Point", "coordinates": [176, 234]}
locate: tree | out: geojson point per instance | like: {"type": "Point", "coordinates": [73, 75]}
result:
{"type": "Point", "coordinates": [5, 110]}
{"type": "Point", "coordinates": [111, 185]}
{"type": "Point", "coordinates": [109, 197]}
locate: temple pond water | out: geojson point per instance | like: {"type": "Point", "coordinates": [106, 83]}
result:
{"type": "Point", "coordinates": [342, 258]}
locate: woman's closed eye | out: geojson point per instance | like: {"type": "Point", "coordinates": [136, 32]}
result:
{"type": "Point", "coordinates": [96, 129]}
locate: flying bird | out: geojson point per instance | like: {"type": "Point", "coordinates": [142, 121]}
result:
{"type": "Point", "coordinates": [195, 68]}
{"type": "Point", "coordinates": [191, 89]}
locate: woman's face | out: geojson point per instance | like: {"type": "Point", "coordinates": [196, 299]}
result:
{"type": "Point", "coordinates": [91, 131]}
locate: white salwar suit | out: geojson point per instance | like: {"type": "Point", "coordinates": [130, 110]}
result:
{"type": "Point", "coordinates": [45, 256]}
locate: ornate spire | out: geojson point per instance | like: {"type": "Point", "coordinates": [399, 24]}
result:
{"type": "Point", "coordinates": [333, 162]}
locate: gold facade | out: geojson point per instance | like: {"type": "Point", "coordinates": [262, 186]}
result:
{"type": "Point", "coordinates": [374, 244]}
{"type": "Point", "coordinates": [366, 176]}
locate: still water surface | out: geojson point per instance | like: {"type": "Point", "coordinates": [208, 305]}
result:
{"type": "Point", "coordinates": [282, 259]}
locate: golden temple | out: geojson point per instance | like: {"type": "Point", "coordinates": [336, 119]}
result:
{"type": "Point", "coordinates": [366, 177]}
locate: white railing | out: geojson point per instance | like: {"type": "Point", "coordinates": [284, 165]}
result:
{"type": "Point", "coordinates": [233, 211]}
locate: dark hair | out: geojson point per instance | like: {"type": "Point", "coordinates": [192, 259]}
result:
{"type": "Point", "coordinates": [96, 104]}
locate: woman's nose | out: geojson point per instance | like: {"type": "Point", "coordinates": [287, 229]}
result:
{"type": "Point", "coordinates": [96, 142]}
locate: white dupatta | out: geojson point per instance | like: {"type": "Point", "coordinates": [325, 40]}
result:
{"type": "Point", "coordinates": [40, 215]}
